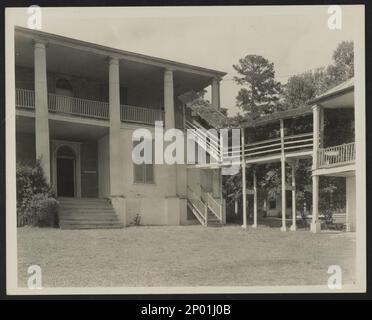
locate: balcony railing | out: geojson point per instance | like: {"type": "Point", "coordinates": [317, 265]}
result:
{"type": "Point", "coordinates": [337, 155]}
{"type": "Point", "coordinates": [25, 99]}
{"type": "Point", "coordinates": [76, 106]}
{"type": "Point", "coordinates": [293, 143]}
{"type": "Point", "coordinates": [140, 115]}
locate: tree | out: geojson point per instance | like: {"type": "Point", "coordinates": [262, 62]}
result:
{"type": "Point", "coordinates": [306, 86]}
{"type": "Point", "coordinates": [261, 94]}
{"type": "Point", "coordinates": [343, 63]}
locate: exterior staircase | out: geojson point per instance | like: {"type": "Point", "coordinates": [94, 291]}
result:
{"type": "Point", "coordinates": [87, 213]}
{"type": "Point", "coordinates": [207, 211]}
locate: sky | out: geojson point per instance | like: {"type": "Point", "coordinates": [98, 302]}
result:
{"type": "Point", "coordinates": [295, 39]}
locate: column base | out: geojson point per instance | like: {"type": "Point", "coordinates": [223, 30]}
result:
{"type": "Point", "coordinates": [254, 226]}
{"type": "Point", "coordinates": [315, 227]}
{"type": "Point", "coordinates": [283, 228]}
{"type": "Point", "coordinates": [293, 227]}
{"type": "Point", "coordinates": [244, 226]}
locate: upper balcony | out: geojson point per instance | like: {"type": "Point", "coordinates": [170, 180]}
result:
{"type": "Point", "coordinates": [60, 104]}
{"type": "Point", "coordinates": [335, 156]}
{"type": "Point", "coordinates": [80, 79]}
{"type": "Point", "coordinates": [291, 133]}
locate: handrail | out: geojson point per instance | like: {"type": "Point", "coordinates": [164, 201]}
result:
{"type": "Point", "coordinates": [210, 144]}
{"type": "Point", "coordinates": [25, 99]}
{"type": "Point", "coordinates": [143, 115]}
{"type": "Point", "coordinates": [247, 145]}
{"type": "Point", "coordinates": [200, 213]}
{"type": "Point", "coordinates": [336, 155]}
{"type": "Point", "coordinates": [78, 106]}
{"type": "Point", "coordinates": [214, 206]}
{"type": "Point", "coordinates": [272, 146]}
{"type": "Point", "coordinates": [197, 126]}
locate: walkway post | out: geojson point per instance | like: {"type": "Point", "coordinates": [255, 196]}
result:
{"type": "Point", "coordinates": [282, 160]}
{"type": "Point", "coordinates": [244, 185]}
{"type": "Point", "coordinates": [254, 199]}
{"type": "Point", "coordinates": [315, 225]}
{"type": "Point", "coordinates": [293, 226]}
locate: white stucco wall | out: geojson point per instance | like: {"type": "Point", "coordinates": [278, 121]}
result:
{"type": "Point", "coordinates": [149, 200]}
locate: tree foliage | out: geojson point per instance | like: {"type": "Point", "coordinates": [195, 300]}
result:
{"type": "Point", "coordinates": [261, 92]}
{"type": "Point", "coordinates": [306, 86]}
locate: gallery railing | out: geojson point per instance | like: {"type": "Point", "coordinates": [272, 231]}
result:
{"type": "Point", "coordinates": [140, 115]}
{"type": "Point", "coordinates": [337, 155]}
{"type": "Point", "coordinates": [25, 99]}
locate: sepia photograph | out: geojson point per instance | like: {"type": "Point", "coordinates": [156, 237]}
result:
{"type": "Point", "coordinates": [200, 149]}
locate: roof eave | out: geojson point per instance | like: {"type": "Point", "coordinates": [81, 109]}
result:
{"type": "Point", "coordinates": [331, 95]}
{"type": "Point", "coordinates": [180, 66]}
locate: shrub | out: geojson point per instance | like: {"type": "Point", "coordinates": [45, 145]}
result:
{"type": "Point", "coordinates": [44, 211]}
{"type": "Point", "coordinates": [36, 203]}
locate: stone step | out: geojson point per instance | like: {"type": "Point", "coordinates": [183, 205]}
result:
{"type": "Point", "coordinates": [91, 226]}
{"type": "Point", "coordinates": [77, 219]}
{"type": "Point", "coordinates": [85, 209]}
{"type": "Point", "coordinates": [87, 213]}
{"type": "Point", "coordinates": [84, 203]}
{"type": "Point", "coordinates": [89, 222]}
{"type": "Point", "coordinates": [81, 204]}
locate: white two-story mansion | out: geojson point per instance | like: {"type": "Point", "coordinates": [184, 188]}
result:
{"type": "Point", "coordinates": [77, 105]}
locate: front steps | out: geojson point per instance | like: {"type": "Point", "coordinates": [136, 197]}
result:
{"type": "Point", "coordinates": [87, 213]}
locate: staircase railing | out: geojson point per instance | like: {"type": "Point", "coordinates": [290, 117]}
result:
{"type": "Point", "coordinates": [197, 206]}
{"type": "Point", "coordinates": [213, 205]}
{"type": "Point", "coordinates": [207, 141]}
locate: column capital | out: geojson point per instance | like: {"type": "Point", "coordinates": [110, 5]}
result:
{"type": "Point", "coordinates": [168, 71]}
{"type": "Point", "coordinates": [216, 80]}
{"type": "Point", "coordinates": [168, 76]}
{"type": "Point", "coordinates": [113, 60]}
{"type": "Point", "coordinates": [41, 44]}
{"type": "Point", "coordinates": [315, 107]}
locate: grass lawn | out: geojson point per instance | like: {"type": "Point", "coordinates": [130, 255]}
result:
{"type": "Point", "coordinates": [183, 256]}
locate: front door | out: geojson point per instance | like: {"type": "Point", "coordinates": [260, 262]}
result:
{"type": "Point", "coordinates": [65, 177]}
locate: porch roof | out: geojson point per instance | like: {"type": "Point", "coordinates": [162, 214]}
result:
{"type": "Point", "coordinates": [117, 53]}
{"type": "Point", "coordinates": [287, 114]}
{"type": "Point", "coordinates": [334, 92]}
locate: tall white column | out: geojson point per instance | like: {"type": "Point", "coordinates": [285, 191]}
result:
{"type": "Point", "coordinates": [41, 108]}
{"type": "Point", "coordinates": [315, 224]}
{"type": "Point", "coordinates": [293, 226]}
{"type": "Point", "coordinates": [282, 161]}
{"type": "Point", "coordinates": [116, 162]}
{"type": "Point", "coordinates": [244, 182]}
{"type": "Point", "coordinates": [254, 199]}
{"type": "Point", "coordinates": [169, 123]}
{"type": "Point", "coordinates": [216, 93]}
{"type": "Point", "coordinates": [169, 117]}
